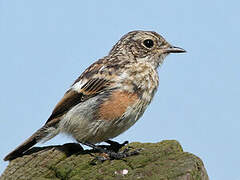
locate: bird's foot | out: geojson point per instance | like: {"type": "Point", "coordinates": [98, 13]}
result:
{"type": "Point", "coordinates": [115, 146]}
{"type": "Point", "coordinates": [110, 154]}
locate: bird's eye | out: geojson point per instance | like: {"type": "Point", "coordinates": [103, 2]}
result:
{"type": "Point", "coordinates": [148, 43]}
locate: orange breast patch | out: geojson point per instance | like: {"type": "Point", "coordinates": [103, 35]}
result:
{"type": "Point", "coordinates": [116, 105]}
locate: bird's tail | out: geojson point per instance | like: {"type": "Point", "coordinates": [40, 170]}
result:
{"type": "Point", "coordinates": [31, 141]}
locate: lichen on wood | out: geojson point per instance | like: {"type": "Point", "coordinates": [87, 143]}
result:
{"type": "Point", "coordinates": [163, 160]}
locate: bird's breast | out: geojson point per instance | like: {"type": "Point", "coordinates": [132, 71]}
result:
{"type": "Point", "coordinates": [116, 105]}
{"type": "Point", "coordinates": [139, 78]}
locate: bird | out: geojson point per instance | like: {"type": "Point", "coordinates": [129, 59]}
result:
{"type": "Point", "coordinates": [109, 96]}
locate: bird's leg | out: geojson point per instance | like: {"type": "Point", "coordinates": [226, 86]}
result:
{"type": "Point", "coordinates": [115, 146]}
{"type": "Point", "coordinates": [110, 153]}
{"type": "Point", "coordinates": [95, 147]}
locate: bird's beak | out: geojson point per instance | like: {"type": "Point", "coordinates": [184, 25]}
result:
{"type": "Point", "coordinates": [173, 49]}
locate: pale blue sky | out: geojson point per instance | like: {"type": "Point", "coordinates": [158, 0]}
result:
{"type": "Point", "coordinates": [45, 45]}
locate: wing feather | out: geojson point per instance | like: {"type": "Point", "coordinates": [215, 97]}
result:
{"type": "Point", "coordinates": [72, 97]}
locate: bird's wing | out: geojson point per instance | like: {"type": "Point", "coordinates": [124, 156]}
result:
{"type": "Point", "coordinates": [82, 89]}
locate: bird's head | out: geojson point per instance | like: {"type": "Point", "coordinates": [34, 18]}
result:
{"type": "Point", "coordinates": [145, 46]}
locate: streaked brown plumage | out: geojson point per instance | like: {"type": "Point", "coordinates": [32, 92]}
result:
{"type": "Point", "coordinates": [110, 95]}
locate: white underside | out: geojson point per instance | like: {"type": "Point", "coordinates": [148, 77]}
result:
{"type": "Point", "coordinates": [79, 122]}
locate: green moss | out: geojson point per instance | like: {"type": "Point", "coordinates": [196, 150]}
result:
{"type": "Point", "coordinates": [163, 160]}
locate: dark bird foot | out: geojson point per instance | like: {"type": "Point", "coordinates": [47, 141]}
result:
{"type": "Point", "coordinates": [119, 155]}
{"type": "Point", "coordinates": [115, 146]}
{"type": "Point", "coordinates": [110, 154]}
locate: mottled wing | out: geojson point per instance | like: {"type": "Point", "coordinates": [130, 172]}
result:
{"type": "Point", "coordinates": [94, 86]}
{"type": "Point", "coordinates": [80, 91]}
{"type": "Point", "coordinates": [70, 99]}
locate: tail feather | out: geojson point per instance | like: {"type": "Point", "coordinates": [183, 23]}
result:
{"type": "Point", "coordinates": [31, 141]}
